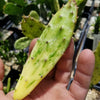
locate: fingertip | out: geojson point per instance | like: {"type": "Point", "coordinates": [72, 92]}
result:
{"type": "Point", "coordinates": [87, 58]}
{"type": "Point", "coordinates": [87, 55]}
{"type": "Point", "coordinates": [32, 44]}
{"type": "Point", "coordinates": [11, 93]}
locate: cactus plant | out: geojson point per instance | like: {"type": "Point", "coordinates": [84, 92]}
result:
{"type": "Point", "coordinates": [12, 9]}
{"type": "Point", "coordinates": [56, 5]}
{"type": "Point", "coordinates": [96, 73]}
{"type": "Point", "coordinates": [81, 4]}
{"type": "Point", "coordinates": [97, 25]}
{"type": "Point", "coordinates": [31, 27]}
{"type": "Point", "coordinates": [22, 43]}
{"type": "Point", "coordinates": [52, 4]}
{"type": "Point", "coordinates": [18, 2]}
{"type": "Point", "coordinates": [34, 14]}
{"type": "Point", "coordinates": [48, 49]}
{"type": "Point", "coordinates": [2, 2]}
{"type": "Point", "coordinates": [8, 87]}
{"type": "Point", "coordinates": [17, 8]}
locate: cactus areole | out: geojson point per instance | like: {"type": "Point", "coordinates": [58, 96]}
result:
{"type": "Point", "coordinates": [48, 49]}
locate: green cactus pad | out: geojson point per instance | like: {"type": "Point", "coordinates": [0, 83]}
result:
{"type": "Point", "coordinates": [96, 73]}
{"type": "Point", "coordinates": [48, 50]}
{"type": "Point", "coordinates": [81, 4]}
{"type": "Point", "coordinates": [22, 43]}
{"type": "Point", "coordinates": [31, 27]}
{"type": "Point", "coordinates": [34, 14]}
{"type": "Point", "coordinates": [18, 2]}
{"type": "Point", "coordinates": [12, 9]}
{"type": "Point", "coordinates": [56, 5]}
{"type": "Point", "coordinates": [2, 2]}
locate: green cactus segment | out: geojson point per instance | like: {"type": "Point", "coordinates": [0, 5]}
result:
{"type": "Point", "coordinates": [96, 73]}
{"type": "Point", "coordinates": [22, 43]}
{"type": "Point", "coordinates": [81, 4]}
{"type": "Point", "coordinates": [97, 25]}
{"type": "Point", "coordinates": [12, 9]}
{"type": "Point", "coordinates": [56, 5]}
{"type": "Point", "coordinates": [18, 2]}
{"type": "Point", "coordinates": [34, 14]}
{"type": "Point", "coordinates": [2, 2]}
{"type": "Point", "coordinates": [31, 27]}
{"type": "Point", "coordinates": [48, 50]}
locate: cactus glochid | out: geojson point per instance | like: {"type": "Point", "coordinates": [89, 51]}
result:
{"type": "Point", "coordinates": [48, 49]}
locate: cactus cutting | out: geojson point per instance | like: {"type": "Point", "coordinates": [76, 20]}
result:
{"type": "Point", "coordinates": [48, 50]}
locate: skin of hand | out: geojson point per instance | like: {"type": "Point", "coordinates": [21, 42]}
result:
{"type": "Point", "coordinates": [53, 86]}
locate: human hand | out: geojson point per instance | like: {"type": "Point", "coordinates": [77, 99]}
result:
{"type": "Point", "coordinates": [53, 87]}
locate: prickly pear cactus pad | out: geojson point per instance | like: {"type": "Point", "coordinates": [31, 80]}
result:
{"type": "Point", "coordinates": [34, 14]}
{"type": "Point", "coordinates": [48, 49]}
{"type": "Point", "coordinates": [96, 73]}
{"type": "Point", "coordinates": [22, 43]}
{"type": "Point", "coordinates": [31, 27]}
{"type": "Point", "coordinates": [12, 9]}
{"type": "Point", "coordinates": [2, 3]}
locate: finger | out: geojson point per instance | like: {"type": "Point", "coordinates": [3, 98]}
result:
{"type": "Point", "coordinates": [64, 66]}
{"type": "Point", "coordinates": [32, 44]}
{"type": "Point", "coordinates": [1, 94]}
{"type": "Point", "coordinates": [85, 66]}
{"type": "Point", "coordinates": [10, 95]}
{"type": "Point", "coordinates": [1, 69]}
{"type": "Point", "coordinates": [5, 97]}
{"type": "Point", "coordinates": [1, 85]}
{"type": "Point", "coordinates": [1, 74]}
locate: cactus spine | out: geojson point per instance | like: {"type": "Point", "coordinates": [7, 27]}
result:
{"type": "Point", "coordinates": [48, 50]}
